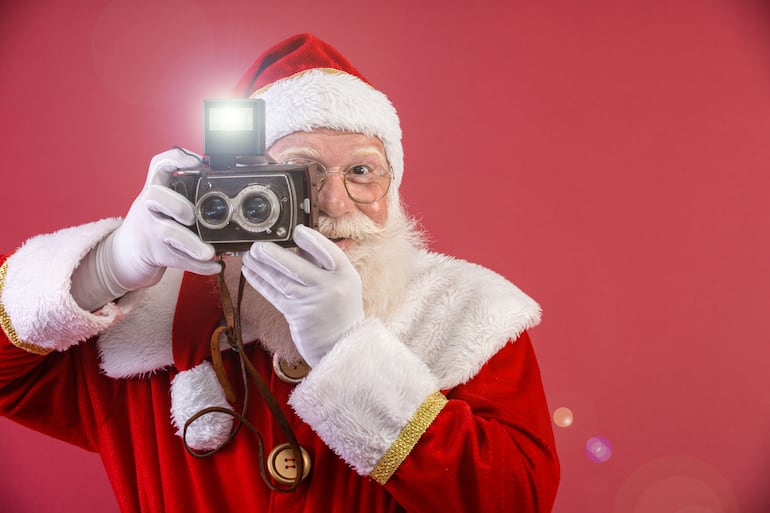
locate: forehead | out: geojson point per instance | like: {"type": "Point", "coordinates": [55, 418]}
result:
{"type": "Point", "coordinates": [328, 143]}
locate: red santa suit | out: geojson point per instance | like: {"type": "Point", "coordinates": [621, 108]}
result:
{"type": "Point", "coordinates": [437, 406]}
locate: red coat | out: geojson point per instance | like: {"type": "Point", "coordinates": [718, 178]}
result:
{"type": "Point", "coordinates": [489, 448]}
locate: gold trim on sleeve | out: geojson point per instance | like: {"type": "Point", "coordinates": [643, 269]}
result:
{"type": "Point", "coordinates": [408, 438]}
{"type": "Point", "coordinates": [5, 321]}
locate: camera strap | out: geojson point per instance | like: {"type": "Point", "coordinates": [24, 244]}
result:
{"type": "Point", "coordinates": [232, 332]}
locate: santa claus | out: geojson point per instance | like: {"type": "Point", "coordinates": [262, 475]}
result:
{"type": "Point", "coordinates": [390, 378]}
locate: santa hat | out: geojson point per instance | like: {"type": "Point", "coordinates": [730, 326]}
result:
{"type": "Point", "coordinates": [307, 84]}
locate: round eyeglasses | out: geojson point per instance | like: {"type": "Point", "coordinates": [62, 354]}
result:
{"type": "Point", "coordinates": [364, 183]}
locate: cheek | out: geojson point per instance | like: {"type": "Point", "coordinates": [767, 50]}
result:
{"type": "Point", "coordinates": [377, 211]}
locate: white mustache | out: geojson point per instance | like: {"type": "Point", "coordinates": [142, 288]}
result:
{"type": "Point", "coordinates": [356, 226]}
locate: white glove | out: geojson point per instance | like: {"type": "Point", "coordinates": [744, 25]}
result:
{"type": "Point", "coordinates": [150, 239]}
{"type": "Point", "coordinates": [152, 236]}
{"type": "Point", "coordinates": [320, 296]}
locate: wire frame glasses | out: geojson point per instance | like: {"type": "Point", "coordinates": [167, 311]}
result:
{"type": "Point", "coordinates": [364, 183]}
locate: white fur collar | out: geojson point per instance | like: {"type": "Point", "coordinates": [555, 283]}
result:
{"type": "Point", "coordinates": [455, 316]}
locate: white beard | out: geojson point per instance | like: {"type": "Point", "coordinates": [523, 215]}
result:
{"type": "Point", "coordinates": [382, 255]}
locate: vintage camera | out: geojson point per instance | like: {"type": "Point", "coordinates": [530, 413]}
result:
{"type": "Point", "coordinates": [240, 194]}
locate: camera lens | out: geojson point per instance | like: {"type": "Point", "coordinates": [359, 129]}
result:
{"type": "Point", "coordinates": [214, 210]}
{"type": "Point", "coordinates": [256, 208]}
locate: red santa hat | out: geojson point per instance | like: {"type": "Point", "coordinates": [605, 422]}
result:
{"type": "Point", "coordinates": [307, 84]}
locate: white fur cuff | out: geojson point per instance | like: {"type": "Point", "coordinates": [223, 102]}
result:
{"type": "Point", "coordinates": [191, 391]}
{"type": "Point", "coordinates": [362, 394]}
{"type": "Point", "coordinates": [36, 294]}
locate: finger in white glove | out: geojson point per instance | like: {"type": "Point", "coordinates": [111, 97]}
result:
{"type": "Point", "coordinates": [320, 296]}
{"type": "Point", "coordinates": [152, 236]}
{"type": "Point", "coordinates": [164, 164]}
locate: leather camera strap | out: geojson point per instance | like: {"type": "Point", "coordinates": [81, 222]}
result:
{"type": "Point", "coordinates": [232, 332]}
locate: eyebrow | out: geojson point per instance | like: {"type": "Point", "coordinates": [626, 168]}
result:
{"type": "Point", "coordinates": [301, 150]}
{"type": "Point", "coordinates": [370, 150]}
{"type": "Point", "coordinates": [314, 153]}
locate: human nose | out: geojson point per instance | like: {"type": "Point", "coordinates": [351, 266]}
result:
{"type": "Point", "coordinates": [333, 198]}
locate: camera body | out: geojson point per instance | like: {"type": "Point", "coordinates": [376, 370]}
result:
{"type": "Point", "coordinates": [237, 204]}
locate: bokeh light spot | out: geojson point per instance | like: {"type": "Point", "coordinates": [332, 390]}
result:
{"type": "Point", "coordinates": [598, 449]}
{"type": "Point", "coordinates": [563, 417]}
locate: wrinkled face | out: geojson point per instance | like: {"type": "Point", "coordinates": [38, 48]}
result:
{"type": "Point", "coordinates": [338, 151]}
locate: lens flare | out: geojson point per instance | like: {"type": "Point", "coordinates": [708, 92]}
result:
{"type": "Point", "coordinates": [563, 417]}
{"type": "Point", "coordinates": [598, 449]}
{"type": "Point", "coordinates": [677, 484]}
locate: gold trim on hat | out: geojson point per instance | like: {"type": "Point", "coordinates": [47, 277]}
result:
{"type": "Point", "coordinates": [408, 438]}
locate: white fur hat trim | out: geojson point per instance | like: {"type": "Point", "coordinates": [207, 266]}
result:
{"type": "Point", "coordinates": [329, 98]}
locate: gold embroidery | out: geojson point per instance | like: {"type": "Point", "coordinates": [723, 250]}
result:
{"type": "Point", "coordinates": [408, 438]}
{"type": "Point", "coordinates": [5, 321]}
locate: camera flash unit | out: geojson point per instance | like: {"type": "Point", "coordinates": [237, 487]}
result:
{"type": "Point", "coordinates": [231, 118]}
{"type": "Point", "coordinates": [233, 127]}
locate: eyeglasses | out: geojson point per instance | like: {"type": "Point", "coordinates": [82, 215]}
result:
{"type": "Point", "coordinates": [364, 183]}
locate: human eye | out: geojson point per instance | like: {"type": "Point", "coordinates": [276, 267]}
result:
{"type": "Point", "coordinates": [359, 170]}
{"type": "Point", "coordinates": [362, 173]}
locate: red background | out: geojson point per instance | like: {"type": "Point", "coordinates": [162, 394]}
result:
{"type": "Point", "coordinates": [609, 157]}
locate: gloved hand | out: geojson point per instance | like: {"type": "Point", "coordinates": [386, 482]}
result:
{"type": "Point", "coordinates": [320, 296]}
{"type": "Point", "coordinates": [150, 239]}
{"type": "Point", "coordinates": [152, 236]}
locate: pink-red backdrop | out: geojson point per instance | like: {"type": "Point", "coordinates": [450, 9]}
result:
{"type": "Point", "coordinates": [609, 157]}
